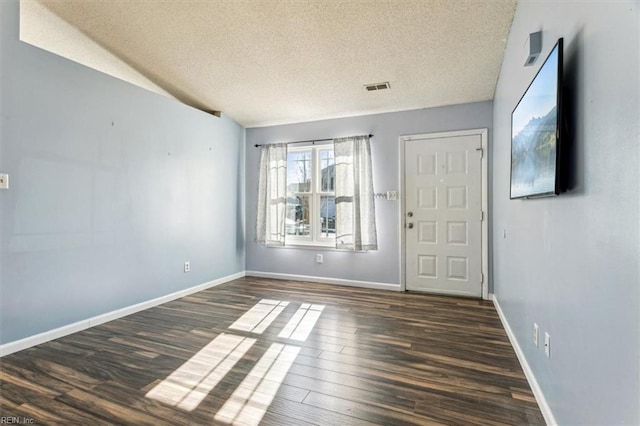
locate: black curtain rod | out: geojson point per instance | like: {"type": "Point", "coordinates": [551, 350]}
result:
{"type": "Point", "coordinates": [312, 141]}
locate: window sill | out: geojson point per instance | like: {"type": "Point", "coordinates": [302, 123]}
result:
{"type": "Point", "coordinates": [310, 245]}
{"type": "Point", "coordinates": [314, 246]}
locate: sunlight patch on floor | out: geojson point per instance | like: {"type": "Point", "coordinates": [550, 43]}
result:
{"type": "Point", "coordinates": [187, 386]}
{"type": "Point", "coordinates": [302, 322]}
{"type": "Point", "coordinates": [254, 395]}
{"type": "Point", "coordinates": [190, 384]}
{"type": "Point", "coordinates": [260, 316]}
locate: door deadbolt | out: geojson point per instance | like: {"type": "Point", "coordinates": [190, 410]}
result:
{"type": "Point", "coordinates": [410, 214]}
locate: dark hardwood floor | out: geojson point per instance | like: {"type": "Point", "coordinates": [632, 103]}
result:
{"type": "Point", "coordinates": [372, 357]}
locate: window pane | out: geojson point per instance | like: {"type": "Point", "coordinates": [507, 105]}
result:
{"type": "Point", "coordinates": [327, 217]}
{"type": "Point", "coordinates": [297, 220]}
{"type": "Point", "coordinates": [299, 171]}
{"type": "Point", "coordinates": [327, 171]}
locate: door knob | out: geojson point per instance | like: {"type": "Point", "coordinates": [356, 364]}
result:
{"type": "Point", "coordinates": [410, 214]}
{"type": "Point", "coordinates": [410, 225]}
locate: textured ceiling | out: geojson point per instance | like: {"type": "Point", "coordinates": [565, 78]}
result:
{"type": "Point", "coordinates": [268, 62]}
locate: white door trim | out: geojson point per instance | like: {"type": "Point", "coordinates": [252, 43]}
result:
{"type": "Point", "coordinates": [483, 133]}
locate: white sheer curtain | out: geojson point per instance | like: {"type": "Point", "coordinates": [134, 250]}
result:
{"type": "Point", "coordinates": [355, 209]}
{"type": "Point", "coordinates": [272, 195]}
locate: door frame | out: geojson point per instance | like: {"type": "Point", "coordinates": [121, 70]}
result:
{"type": "Point", "coordinates": [402, 140]}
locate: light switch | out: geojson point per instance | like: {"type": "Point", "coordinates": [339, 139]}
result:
{"type": "Point", "coordinates": [4, 181]}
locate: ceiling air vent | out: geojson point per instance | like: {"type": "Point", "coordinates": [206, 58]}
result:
{"type": "Point", "coordinates": [377, 86]}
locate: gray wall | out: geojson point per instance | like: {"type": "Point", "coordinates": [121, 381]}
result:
{"type": "Point", "coordinates": [381, 266]}
{"type": "Point", "coordinates": [571, 263]}
{"type": "Point", "coordinates": [99, 216]}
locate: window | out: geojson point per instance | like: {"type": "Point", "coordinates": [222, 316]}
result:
{"type": "Point", "coordinates": [302, 191]}
{"type": "Point", "coordinates": [310, 210]}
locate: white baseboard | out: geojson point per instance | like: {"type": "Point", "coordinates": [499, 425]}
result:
{"type": "Point", "coordinates": [56, 333]}
{"type": "Point", "coordinates": [324, 280]}
{"type": "Point", "coordinates": [537, 391]}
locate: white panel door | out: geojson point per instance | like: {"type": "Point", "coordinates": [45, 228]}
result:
{"type": "Point", "coordinates": [443, 208]}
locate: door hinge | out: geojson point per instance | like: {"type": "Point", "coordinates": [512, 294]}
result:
{"type": "Point", "coordinates": [481, 216]}
{"type": "Point", "coordinates": [481, 277]}
{"type": "Point", "coordinates": [481, 152]}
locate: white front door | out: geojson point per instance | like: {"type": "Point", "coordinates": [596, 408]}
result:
{"type": "Point", "coordinates": [443, 215]}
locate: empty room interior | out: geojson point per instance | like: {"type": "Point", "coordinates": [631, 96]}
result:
{"type": "Point", "coordinates": [289, 212]}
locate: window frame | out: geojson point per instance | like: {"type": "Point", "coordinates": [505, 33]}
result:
{"type": "Point", "coordinates": [315, 237]}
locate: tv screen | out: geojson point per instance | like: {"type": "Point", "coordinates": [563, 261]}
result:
{"type": "Point", "coordinates": [535, 132]}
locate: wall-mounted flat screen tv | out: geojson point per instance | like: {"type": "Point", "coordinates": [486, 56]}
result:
{"type": "Point", "coordinates": [535, 132]}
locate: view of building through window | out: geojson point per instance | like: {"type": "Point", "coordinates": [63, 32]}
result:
{"type": "Point", "coordinates": [310, 216]}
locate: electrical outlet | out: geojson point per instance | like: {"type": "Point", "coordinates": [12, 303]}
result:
{"type": "Point", "coordinates": [392, 195]}
{"type": "Point", "coordinates": [536, 333]}
{"type": "Point", "coordinates": [4, 181]}
{"type": "Point", "coordinates": [187, 266]}
{"type": "Point", "coordinates": [547, 345]}
{"type": "Point", "coordinates": [319, 258]}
